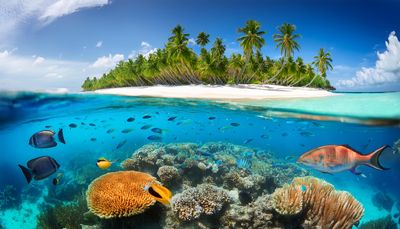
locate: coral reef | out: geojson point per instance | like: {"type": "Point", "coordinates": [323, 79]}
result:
{"type": "Point", "coordinates": [218, 185]}
{"type": "Point", "coordinates": [67, 215]}
{"type": "Point", "coordinates": [288, 200]}
{"type": "Point", "coordinates": [215, 163]}
{"type": "Point", "coordinates": [204, 199]}
{"type": "Point", "coordinates": [168, 174]}
{"type": "Point", "coordinates": [386, 223]}
{"type": "Point", "coordinates": [9, 197]}
{"type": "Point", "coordinates": [120, 194]}
{"type": "Point", "coordinates": [323, 206]}
{"type": "Point", "coordinates": [257, 214]}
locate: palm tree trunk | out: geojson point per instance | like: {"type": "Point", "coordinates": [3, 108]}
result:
{"type": "Point", "coordinates": [315, 76]}
{"type": "Point", "coordinates": [276, 75]}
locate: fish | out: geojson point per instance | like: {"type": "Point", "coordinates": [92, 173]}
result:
{"type": "Point", "coordinates": [39, 168]}
{"type": "Point", "coordinates": [154, 138]}
{"type": "Point", "coordinates": [125, 131]}
{"type": "Point", "coordinates": [159, 192]}
{"type": "Point", "coordinates": [224, 128]}
{"type": "Point", "coordinates": [121, 144]}
{"type": "Point", "coordinates": [264, 136]}
{"type": "Point", "coordinates": [131, 119]}
{"type": "Point", "coordinates": [146, 117]}
{"type": "Point", "coordinates": [57, 179]}
{"type": "Point", "coordinates": [46, 139]}
{"type": "Point", "coordinates": [235, 124]}
{"type": "Point", "coordinates": [92, 124]}
{"type": "Point", "coordinates": [338, 158]}
{"type": "Point", "coordinates": [145, 127]}
{"type": "Point", "coordinates": [47, 127]}
{"type": "Point", "coordinates": [73, 125]}
{"type": "Point", "coordinates": [172, 118]}
{"type": "Point", "coordinates": [157, 130]}
{"type": "Point", "coordinates": [284, 134]}
{"type": "Point", "coordinates": [82, 123]}
{"type": "Point", "coordinates": [109, 131]}
{"type": "Point", "coordinates": [247, 141]}
{"type": "Point", "coordinates": [306, 134]}
{"type": "Point", "coordinates": [103, 163]}
{"type": "Point", "coordinates": [93, 139]}
{"type": "Point", "coordinates": [211, 118]}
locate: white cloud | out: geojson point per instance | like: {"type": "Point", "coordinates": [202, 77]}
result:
{"type": "Point", "coordinates": [108, 62]}
{"type": "Point", "coordinates": [145, 49]}
{"type": "Point", "coordinates": [191, 41]}
{"type": "Point", "coordinates": [64, 7]}
{"type": "Point", "coordinates": [38, 60]}
{"type": "Point", "coordinates": [386, 70]}
{"type": "Point", "coordinates": [15, 13]}
{"type": "Point", "coordinates": [21, 73]}
{"type": "Point", "coordinates": [99, 44]}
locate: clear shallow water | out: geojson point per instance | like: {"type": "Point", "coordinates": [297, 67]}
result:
{"type": "Point", "coordinates": [21, 115]}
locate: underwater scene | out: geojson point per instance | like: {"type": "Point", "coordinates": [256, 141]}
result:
{"type": "Point", "coordinates": [99, 161]}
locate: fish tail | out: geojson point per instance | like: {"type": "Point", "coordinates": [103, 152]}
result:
{"type": "Point", "coordinates": [374, 158]}
{"type": "Point", "coordinates": [27, 173]}
{"type": "Point", "coordinates": [60, 136]}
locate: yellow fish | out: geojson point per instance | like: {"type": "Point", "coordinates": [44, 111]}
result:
{"type": "Point", "coordinates": [103, 163]}
{"type": "Point", "coordinates": [159, 192]}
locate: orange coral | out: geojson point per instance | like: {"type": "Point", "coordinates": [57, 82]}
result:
{"type": "Point", "coordinates": [120, 194]}
{"type": "Point", "coordinates": [324, 206]}
{"type": "Point", "coordinates": [288, 200]}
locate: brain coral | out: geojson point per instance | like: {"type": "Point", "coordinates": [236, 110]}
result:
{"type": "Point", "coordinates": [324, 206]}
{"type": "Point", "coordinates": [120, 194]}
{"type": "Point", "coordinates": [204, 199]}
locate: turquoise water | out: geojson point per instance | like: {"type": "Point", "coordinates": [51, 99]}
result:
{"type": "Point", "coordinates": [363, 121]}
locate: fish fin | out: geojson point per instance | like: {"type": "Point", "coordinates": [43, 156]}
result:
{"type": "Point", "coordinates": [326, 173]}
{"type": "Point", "coordinates": [27, 173]}
{"type": "Point", "coordinates": [60, 136]}
{"type": "Point", "coordinates": [354, 171]}
{"type": "Point", "coordinates": [374, 159]}
{"type": "Point", "coordinates": [351, 148]}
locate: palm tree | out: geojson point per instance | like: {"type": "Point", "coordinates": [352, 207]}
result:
{"type": "Point", "coordinates": [287, 43]}
{"type": "Point", "coordinates": [286, 40]}
{"type": "Point", "coordinates": [251, 40]}
{"type": "Point", "coordinates": [202, 39]}
{"type": "Point", "coordinates": [218, 49]}
{"type": "Point", "coordinates": [177, 45]}
{"type": "Point", "coordinates": [322, 62]}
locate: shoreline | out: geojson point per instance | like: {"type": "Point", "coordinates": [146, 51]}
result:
{"type": "Point", "coordinates": [241, 92]}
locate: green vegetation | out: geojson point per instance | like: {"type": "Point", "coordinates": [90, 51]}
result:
{"type": "Point", "coordinates": [67, 215]}
{"type": "Point", "coordinates": [177, 64]}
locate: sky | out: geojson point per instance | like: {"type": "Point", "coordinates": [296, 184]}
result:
{"type": "Point", "coordinates": [53, 45]}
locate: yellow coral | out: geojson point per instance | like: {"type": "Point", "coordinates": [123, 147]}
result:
{"type": "Point", "coordinates": [120, 194]}
{"type": "Point", "coordinates": [288, 200]}
{"type": "Point", "coordinates": [324, 206]}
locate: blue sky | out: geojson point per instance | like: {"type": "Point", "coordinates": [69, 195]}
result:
{"type": "Point", "coordinates": [55, 44]}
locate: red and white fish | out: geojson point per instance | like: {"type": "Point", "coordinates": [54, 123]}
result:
{"type": "Point", "coordinates": [338, 158]}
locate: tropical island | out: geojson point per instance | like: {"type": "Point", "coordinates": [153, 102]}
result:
{"type": "Point", "coordinates": [178, 64]}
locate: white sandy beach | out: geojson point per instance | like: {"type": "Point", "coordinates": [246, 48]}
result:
{"type": "Point", "coordinates": [237, 92]}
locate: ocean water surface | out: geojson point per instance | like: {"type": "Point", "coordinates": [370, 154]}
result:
{"type": "Point", "coordinates": [114, 127]}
